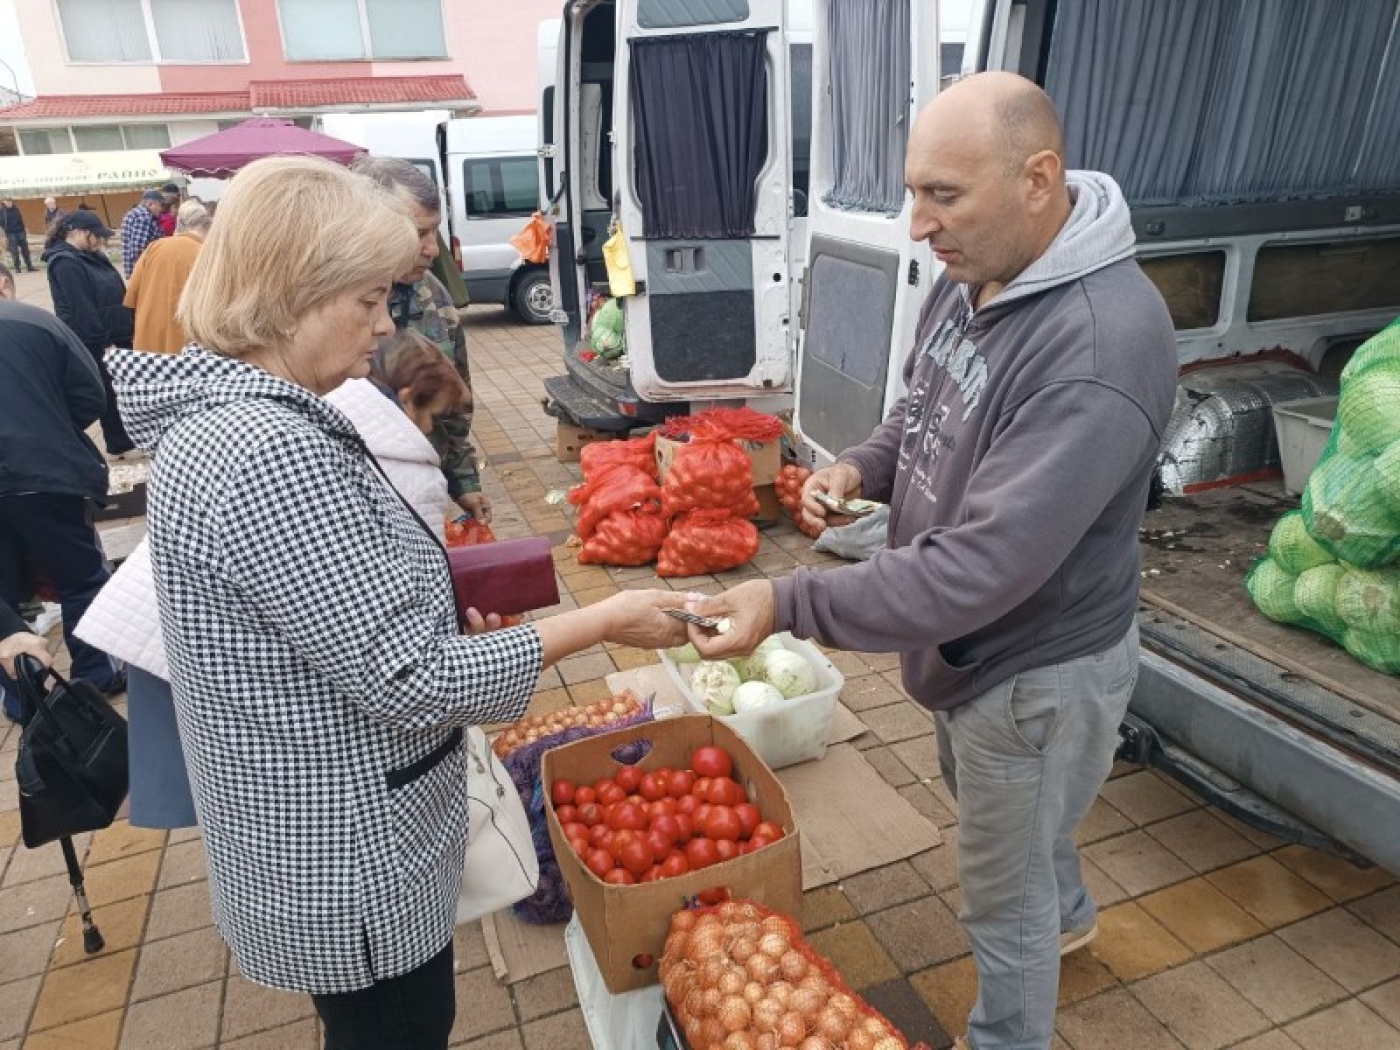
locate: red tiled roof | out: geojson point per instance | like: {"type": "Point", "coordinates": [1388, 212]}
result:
{"type": "Point", "coordinates": [303, 94]}
{"type": "Point", "coordinates": [48, 107]}
{"type": "Point", "coordinates": [262, 95]}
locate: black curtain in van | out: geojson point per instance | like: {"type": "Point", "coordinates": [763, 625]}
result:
{"type": "Point", "coordinates": [700, 118]}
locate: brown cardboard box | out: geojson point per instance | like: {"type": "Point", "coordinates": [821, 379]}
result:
{"type": "Point", "coordinates": [627, 925]}
{"type": "Point", "coordinates": [765, 458]}
{"type": "Point", "coordinates": [570, 439]}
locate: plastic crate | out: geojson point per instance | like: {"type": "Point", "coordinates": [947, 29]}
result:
{"type": "Point", "coordinates": [1303, 428]}
{"type": "Point", "coordinates": [787, 733]}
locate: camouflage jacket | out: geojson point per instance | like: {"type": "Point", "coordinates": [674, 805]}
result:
{"type": "Point", "coordinates": [427, 308]}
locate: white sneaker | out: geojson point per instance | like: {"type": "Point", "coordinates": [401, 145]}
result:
{"type": "Point", "coordinates": [1073, 940]}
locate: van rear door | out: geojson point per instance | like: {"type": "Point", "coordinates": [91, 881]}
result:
{"type": "Point", "coordinates": [702, 156]}
{"type": "Point", "coordinates": [865, 280]}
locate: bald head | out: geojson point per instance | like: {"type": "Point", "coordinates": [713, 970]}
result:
{"type": "Point", "coordinates": [986, 167]}
{"type": "Point", "coordinates": [1005, 115]}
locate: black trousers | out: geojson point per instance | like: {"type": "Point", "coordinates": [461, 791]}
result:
{"type": "Point", "coordinates": [54, 535]}
{"type": "Point", "coordinates": [19, 244]}
{"type": "Point", "coordinates": [114, 434]}
{"type": "Point", "coordinates": [413, 1011]}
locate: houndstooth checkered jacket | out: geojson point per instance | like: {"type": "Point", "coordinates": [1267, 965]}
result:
{"type": "Point", "coordinates": [318, 674]}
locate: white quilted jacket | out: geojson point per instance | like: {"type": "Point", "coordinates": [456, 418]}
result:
{"type": "Point", "coordinates": [124, 620]}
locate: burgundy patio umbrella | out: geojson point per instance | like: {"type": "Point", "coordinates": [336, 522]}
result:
{"type": "Point", "coordinates": [220, 155]}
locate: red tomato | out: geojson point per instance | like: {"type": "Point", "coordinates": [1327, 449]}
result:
{"type": "Point", "coordinates": [628, 777]}
{"type": "Point", "coordinates": [687, 805]}
{"type": "Point", "coordinates": [567, 814]}
{"type": "Point", "coordinates": [666, 824]}
{"type": "Point", "coordinates": [728, 849]}
{"type": "Point", "coordinates": [600, 835]}
{"type": "Point", "coordinates": [637, 800]}
{"type": "Point", "coordinates": [749, 817]}
{"type": "Point", "coordinates": [711, 761]}
{"type": "Point", "coordinates": [601, 783]}
{"type": "Point", "coordinates": [674, 864]}
{"type": "Point", "coordinates": [701, 789]}
{"type": "Point", "coordinates": [758, 841]}
{"type": "Point", "coordinates": [600, 862]}
{"type": "Point", "coordinates": [561, 792]}
{"type": "Point", "coordinates": [620, 841]}
{"type": "Point", "coordinates": [584, 795]}
{"type": "Point", "coordinates": [767, 827]}
{"type": "Point", "coordinates": [680, 783]}
{"type": "Point", "coordinates": [722, 823]}
{"type": "Point", "coordinates": [574, 829]}
{"type": "Point", "coordinates": [745, 848]}
{"type": "Point", "coordinates": [701, 853]}
{"type": "Point", "coordinates": [619, 877]}
{"type": "Point", "coordinates": [659, 842]}
{"type": "Point", "coordinates": [580, 845]}
{"type": "Point", "coordinates": [636, 857]}
{"type": "Point", "coordinates": [726, 792]}
{"type": "Point", "coordinates": [653, 787]}
{"type": "Point", "coordinates": [627, 817]}
{"type": "Point", "coordinates": [715, 895]}
{"type": "Point", "coordinates": [610, 794]}
{"type": "Point", "coordinates": [590, 813]}
{"type": "Point", "coordinates": [664, 807]}
{"type": "Point", "coordinates": [653, 874]}
{"type": "Point", "coordinates": [698, 817]}
{"type": "Point", "coordinates": [687, 828]}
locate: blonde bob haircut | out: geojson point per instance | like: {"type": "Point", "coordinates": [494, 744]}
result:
{"type": "Point", "coordinates": [293, 233]}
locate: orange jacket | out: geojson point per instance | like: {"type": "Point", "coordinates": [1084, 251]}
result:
{"type": "Point", "coordinates": [154, 291]}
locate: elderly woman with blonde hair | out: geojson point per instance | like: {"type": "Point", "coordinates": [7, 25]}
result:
{"type": "Point", "coordinates": [321, 684]}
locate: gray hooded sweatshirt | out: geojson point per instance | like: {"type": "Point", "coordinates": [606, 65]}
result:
{"type": "Point", "coordinates": [1016, 468]}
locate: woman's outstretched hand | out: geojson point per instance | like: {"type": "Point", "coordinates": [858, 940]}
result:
{"type": "Point", "coordinates": [635, 618]}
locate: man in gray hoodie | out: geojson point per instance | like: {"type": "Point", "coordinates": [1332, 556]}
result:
{"type": "Point", "coordinates": [1017, 469]}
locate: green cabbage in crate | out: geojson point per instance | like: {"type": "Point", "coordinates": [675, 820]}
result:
{"type": "Point", "coordinates": [1345, 512]}
{"type": "Point", "coordinates": [1316, 596]}
{"type": "Point", "coordinates": [1271, 587]}
{"type": "Point", "coordinates": [1369, 409]}
{"type": "Point", "coordinates": [1292, 547]}
{"type": "Point", "coordinates": [1369, 600]}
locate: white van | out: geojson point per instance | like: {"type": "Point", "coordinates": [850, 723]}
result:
{"type": "Point", "coordinates": [485, 170]}
{"type": "Point", "coordinates": [634, 128]}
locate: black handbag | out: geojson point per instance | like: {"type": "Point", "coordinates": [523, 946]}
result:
{"type": "Point", "coordinates": [71, 770]}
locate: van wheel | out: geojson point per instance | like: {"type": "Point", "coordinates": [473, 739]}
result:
{"type": "Point", "coordinates": [533, 299]}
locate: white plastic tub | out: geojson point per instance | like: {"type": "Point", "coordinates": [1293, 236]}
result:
{"type": "Point", "coordinates": [787, 733]}
{"type": "Point", "coordinates": [1303, 428]}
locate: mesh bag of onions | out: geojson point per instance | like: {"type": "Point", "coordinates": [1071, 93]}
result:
{"type": "Point", "coordinates": [738, 976]}
{"type": "Point", "coordinates": [533, 737]}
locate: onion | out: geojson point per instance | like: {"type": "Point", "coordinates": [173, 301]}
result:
{"type": "Point", "coordinates": [745, 912]}
{"type": "Point", "coordinates": [695, 1003]}
{"type": "Point", "coordinates": [792, 1029]}
{"type": "Point", "coordinates": [766, 1041]}
{"type": "Point", "coordinates": [889, 1042]}
{"type": "Point", "coordinates": [807, 1001]}
{"type": "Point", "coordinates": [734, 1013]}
{"type": "Point", "coordinates": [767, 1012]}
{"type": "Point", "coordinates": [712, 1033]}
{"type": "Point", "coordinates": [675, 945]}
{"type": "Point", "coordinates": [740, 1041]}
{"type": "Point", "coordinates": [832, 1025]}
{"type": "Point", "coordinates": [704, 944]}
{"type": "Point", "coordinates": [731, 982]}
{"type": "Point", "coordinates": [725, 912]}
{"type": "Point", "coordinates": [683, 920]}
{"type": "Point", "coordinates": [781, 991]}
{"type": "Point", "coordinates": [776, 924]}
{"type": "Point", "coordinates": [749, 931]}
{"type": "Point", "coordinates": [693, 1027]}
{"type": "Point", "coordinates": [845, 1006]}
{"type": "Point", "coordinates": [710, 999]}
{"type": "Point", "coordinates": [761, 968]}
{"type": "Point", "coordinates": [815, 981]}
{"type": "Point", "coordinates": [815, 1042]}
{"type": "Point", "coordinates": [753, 992]}
{"type": "Point", "coordinates": [793, 965]}
{"type": "Point", "coordinates": [742, 948]}
{"type": "Point", "coordinates": [775, 945]}
{"type": "Point", "coordinates": [860, 1039]}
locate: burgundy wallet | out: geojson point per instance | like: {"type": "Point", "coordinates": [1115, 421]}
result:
{"type": "Point", "coordinates": [505, 577]}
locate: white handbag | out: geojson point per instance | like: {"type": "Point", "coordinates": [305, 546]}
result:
{"type": "Point", "coordinates": [501, 864]}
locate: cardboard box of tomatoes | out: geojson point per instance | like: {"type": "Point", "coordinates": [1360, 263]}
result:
{"type": "Point", "coordinates": [626, 924]}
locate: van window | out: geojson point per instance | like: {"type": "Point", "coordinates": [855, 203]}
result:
{"type": "Point", "coordinates": [1330, 277]}
{"type": "Point", "coordinates": [501, 188]}
{"type": "Point", "coordinates": [800, 70]}
{"type": "Point", "coordinates": [1191, 283]}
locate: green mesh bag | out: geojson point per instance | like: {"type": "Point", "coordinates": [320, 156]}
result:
{"type": "Point", "coordinates": [1316, 596]}
{"type": "Point", "coordinates": [1271, 588]}
{"type": "Point", "coordinates": [1374, 649]}
{"type": "Point", "coordinates": [608, 333]}
{"type": "Point", "coordinates": [1381, 351]}
{"type": "Point", "coordinates": [1292, 547]}
{"type": "Point", "coordinates": [1369, 600]}
{"type": "Point", "coordinates": [1369, 410]}
{"type": "Point", "coordinates": [1347, 514]}
{"type": "Point", "coordinates": [1387, 470]}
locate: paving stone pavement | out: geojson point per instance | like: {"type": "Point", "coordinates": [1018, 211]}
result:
{"type": "Point", "coordinates": [1213, 934]}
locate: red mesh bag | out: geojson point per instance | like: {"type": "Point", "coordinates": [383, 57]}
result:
{"type": "Point", "coordinates": [619, 489]}
{"type": "Point", "coordinates": [628, 537]}
{"type": "Point", "coordinates": [738, 942]}
{"type": "Point", "coordinates": [724, 424]}
{"type": "Point", "coordinates": [601, 456]}
{"type": "Point", "coordinates": [707, 475]}
{"type": "Point", "coordinates": [467, 532]}
{"type": "Point", "coordinates": [705, 541]}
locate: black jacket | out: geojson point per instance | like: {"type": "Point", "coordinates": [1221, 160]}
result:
{"type": "Point", "coordinates": [12, 221]}
{"type": "Point", "coordinates": [87, 295]}
{"type": "Point", "coordinates": [10, 622]}
{"type": "Point", "coordinates": [50, 393]}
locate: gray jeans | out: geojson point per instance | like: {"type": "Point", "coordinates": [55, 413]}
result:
{"type": "Point", "coordinates": [1025, 761]}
